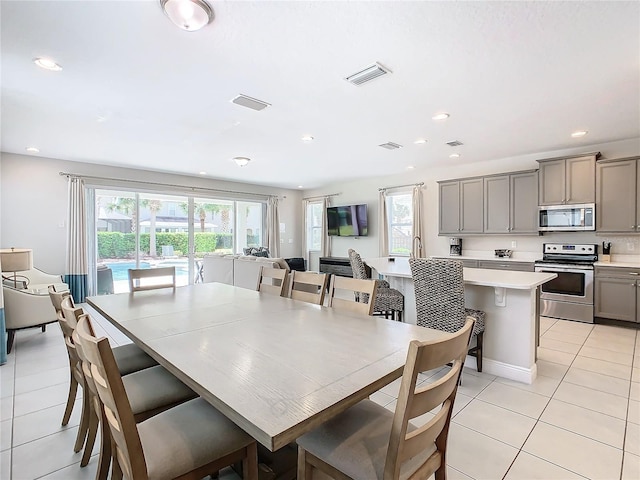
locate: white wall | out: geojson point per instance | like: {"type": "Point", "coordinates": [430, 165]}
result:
{"type": "Point", "coordinates": [33, 204]}
{"type": "Point", "coordinates": [366, 191]}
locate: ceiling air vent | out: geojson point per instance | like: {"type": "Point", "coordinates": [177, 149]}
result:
{"type": "Point", "coordinates": [252, 103]}
{"type": "Point", "coordinates": [390, 146]}
{"type": "Point", "coordinates": [369, 73]}
{"type": "Point", "coordinates": [455, 143]}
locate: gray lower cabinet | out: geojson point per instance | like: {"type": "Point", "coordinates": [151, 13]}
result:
{"type": "Point", "coordinates": [510, 203]}
{"type": "Point", "coordinates": [617, 293]}
{"type": "Point", "coordinates": [460, 209]}
{"type": "Point", "coordinates": [567, 180]}
{"type": "Point", "coordinates": [617, 198]}
{"type": "Point", "coordinates": [507, 265]}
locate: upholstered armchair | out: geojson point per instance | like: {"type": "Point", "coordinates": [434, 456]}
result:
{"type": "Point", "coordinates": [31, 306]}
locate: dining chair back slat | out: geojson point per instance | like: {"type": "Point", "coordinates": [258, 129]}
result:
{"type": "Point", "coordinates": [308, 287]}
{"type": "Point", "coordinates": [166, 275]}
{"type": "Point", "coordinates": [272, 280]}
{"type": "Point", "coordinates": [343, 292]}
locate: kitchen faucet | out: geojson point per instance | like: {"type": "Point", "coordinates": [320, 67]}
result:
{"type": "Point", "coordinates": [414, 244]}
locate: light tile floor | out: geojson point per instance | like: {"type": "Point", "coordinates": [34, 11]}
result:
{"type": "Point", "coordinates": [579, 419]}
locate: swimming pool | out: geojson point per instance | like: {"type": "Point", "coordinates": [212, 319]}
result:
{"type": "Point", "coordinates": [120, 269]}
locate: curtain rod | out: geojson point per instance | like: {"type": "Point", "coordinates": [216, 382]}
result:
{"type": "Point", "coordinates": [321, 196]}
{"type": "Point", "coordinates": [75, 175]}
{"type": "Point", "coordinates": [398, 186]}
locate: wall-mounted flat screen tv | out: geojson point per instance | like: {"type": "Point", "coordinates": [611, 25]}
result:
{"type": "Point", "coordinates": [347, 221]}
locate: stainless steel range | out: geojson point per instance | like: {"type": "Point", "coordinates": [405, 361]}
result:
{"type": "Point", "coordinates": [570, 295]}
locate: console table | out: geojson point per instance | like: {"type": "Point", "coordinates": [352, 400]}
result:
{"type": "Point", "coordinates": [339, 266]}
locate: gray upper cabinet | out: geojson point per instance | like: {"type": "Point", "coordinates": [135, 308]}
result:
{"type": "Point", "coordinates": [567, 180]}
{"type": "Point", "coordinates": [461, 206]}
{"type": "Point", "coordinates": [449, 208]}
{"type": "Point", "coordinates": [471, 192]}
{"type": "Point", "coordinates": [510, 203]}
{"type": "Point", "coordinates": [496, 204]}
{"type": "Point", "coordinates": [617, 199]}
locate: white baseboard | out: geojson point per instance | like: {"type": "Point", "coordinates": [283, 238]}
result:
{"type": "Point", "coordinates": [504, 370]}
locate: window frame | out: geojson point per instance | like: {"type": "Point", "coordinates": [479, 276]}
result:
{"type": "Point", "coordinates": [389, 201]}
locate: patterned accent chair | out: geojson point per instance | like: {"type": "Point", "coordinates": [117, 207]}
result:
{"type": "Point", "coordinates": [439, 287]}
{"type": "Point", "coordinates": [388, 300]}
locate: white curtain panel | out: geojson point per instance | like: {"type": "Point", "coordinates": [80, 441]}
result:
{"type": "Point", "coordinates": [383, 223]}
{"type": "Point", "coordinates": [3, 333]}
{"type": "Point", "coordinates": [418, 224]}
{"type": "Point", "coordinates": [273, 227]}
{"type": "Point", "coordinates": [325, 248]}
{"type": "Point", "coordinates": [305, 225]}
{"type": "Point", "coordinates": [76, 258]}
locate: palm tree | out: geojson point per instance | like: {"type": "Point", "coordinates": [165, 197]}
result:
{"type": "Point", "coordinates": [201, 210]}
{"type": "Point", "coordinates": [153, 206]}
{"type": "Point", "coordinates": [126, 205]}
{"type": "Point", "coordinates": [225, 216]}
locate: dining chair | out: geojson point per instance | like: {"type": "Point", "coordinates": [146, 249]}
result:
{"type": "Point", "coordinates": [272, 280]}
{"type": "Point", "coordinates": [150, 392]}
{"type": "Point", "coordinates": [190, 440]}
{"type": "Point", "coordinates": [388, 301]}
{"type": "Point", "coordinates": [352, 294]}
{"type": "Point", "coordinates": [368, 441]}
{"type": "Point", "coordinates": [309, 287]}
{"type": "Point", "coordinates": [75, 373]}
{"type": "Point", "coordinates": [137, 275]}
{"type": "Point", "coordinates": [439, 291]}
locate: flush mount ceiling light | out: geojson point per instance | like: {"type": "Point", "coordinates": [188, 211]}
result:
{"type": "Point", "coordinates": [47, 64]}
{"type": "Point", "coordinates": [190, 15]}
{"type": "Point", "coordinates": [307, 138]}
{"type": "Point", "coordinates": [440, 116]}
{"type": "Point", "coordinates": [454, 155]}
{"type": "Point", "coordinates": [579, 133]}
{"type": "Point", "coordinates": [241, 161]}
{"type": "Point", "coordinates": [32, 150]}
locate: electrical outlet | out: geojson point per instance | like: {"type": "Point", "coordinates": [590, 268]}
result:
{"type": "Point", "coordinates": [514, 244]}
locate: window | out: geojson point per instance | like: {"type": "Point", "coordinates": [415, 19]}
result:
{"type": "Point", "coordinates": [314, 227]}
{"type": "Point", "coordinates": [145, 230]}
{"type": "Point", "coordinates": [400, 221]}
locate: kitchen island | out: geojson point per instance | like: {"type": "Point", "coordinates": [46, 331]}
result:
{"type": "Point", "coordinates": [510, 301]}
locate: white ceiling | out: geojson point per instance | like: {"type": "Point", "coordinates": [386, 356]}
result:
{"type": "Point", "coordinates": [516, 77]}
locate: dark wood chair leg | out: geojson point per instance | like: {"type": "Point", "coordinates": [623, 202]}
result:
{"type": "Point", "coordinates": [11, 335]}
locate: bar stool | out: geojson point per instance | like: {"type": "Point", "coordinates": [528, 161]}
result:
{"type": "Point", "coordinates": [388, 300]}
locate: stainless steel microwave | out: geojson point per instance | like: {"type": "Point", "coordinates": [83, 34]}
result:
{"type": "Point", "coordinates": [567, 218]}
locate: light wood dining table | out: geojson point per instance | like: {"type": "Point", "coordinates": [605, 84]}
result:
{"type": "Point", "coordinates": [276, 367]}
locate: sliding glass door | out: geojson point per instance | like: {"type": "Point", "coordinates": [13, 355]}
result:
{"type": "Point", "coordinates": [149, 230]}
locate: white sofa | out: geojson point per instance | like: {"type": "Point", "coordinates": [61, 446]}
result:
{"type": "Point", "coordinates": [31, 306]}
{"type": "Point", "coordinates": [239, 270]}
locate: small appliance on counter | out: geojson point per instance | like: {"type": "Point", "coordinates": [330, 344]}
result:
{"type": "Point", "coordinates": [606, 252]}
{"type": "Point", "coordinates": [455, 246]}
{"type": "Point", "coordinates": [503, 253]}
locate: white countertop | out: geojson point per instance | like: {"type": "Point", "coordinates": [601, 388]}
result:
{"type": "Point", "coordinates": [492, 258]}
{"type": "Point", "coordinates": [472, 276]}
{"type": "Point", "coordinates": [614, 263]}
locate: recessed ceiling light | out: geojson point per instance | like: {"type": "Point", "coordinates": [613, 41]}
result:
{"type": "Point", "coordinates": [203, 173]}
{"type": "Point", "coordinates": [454, 155]}
{"type": "Point", "coordinates": [101, 118]}
{"type": "Point", "coordinates": [299, 186]}
{"type": "Point", "coordinates": [440, 116]}
{"type": "Point", "coordinates": [32, 150]}
{"type": "Point", "coordinates": [307, 138]}
{"type": "Point", "coordinates": [241, 161]}
{"type": "Point", "coordinates": [579, 133]}
{"type": "Point", "coordinates": [410, 167]}
{"type": "Point", "coordinates": [420, 141]}
{"type": "Point", "coordinates": [47, 64]}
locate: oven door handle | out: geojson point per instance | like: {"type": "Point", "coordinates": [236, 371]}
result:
{"type": "Point", "coordinates": [562, 270]}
